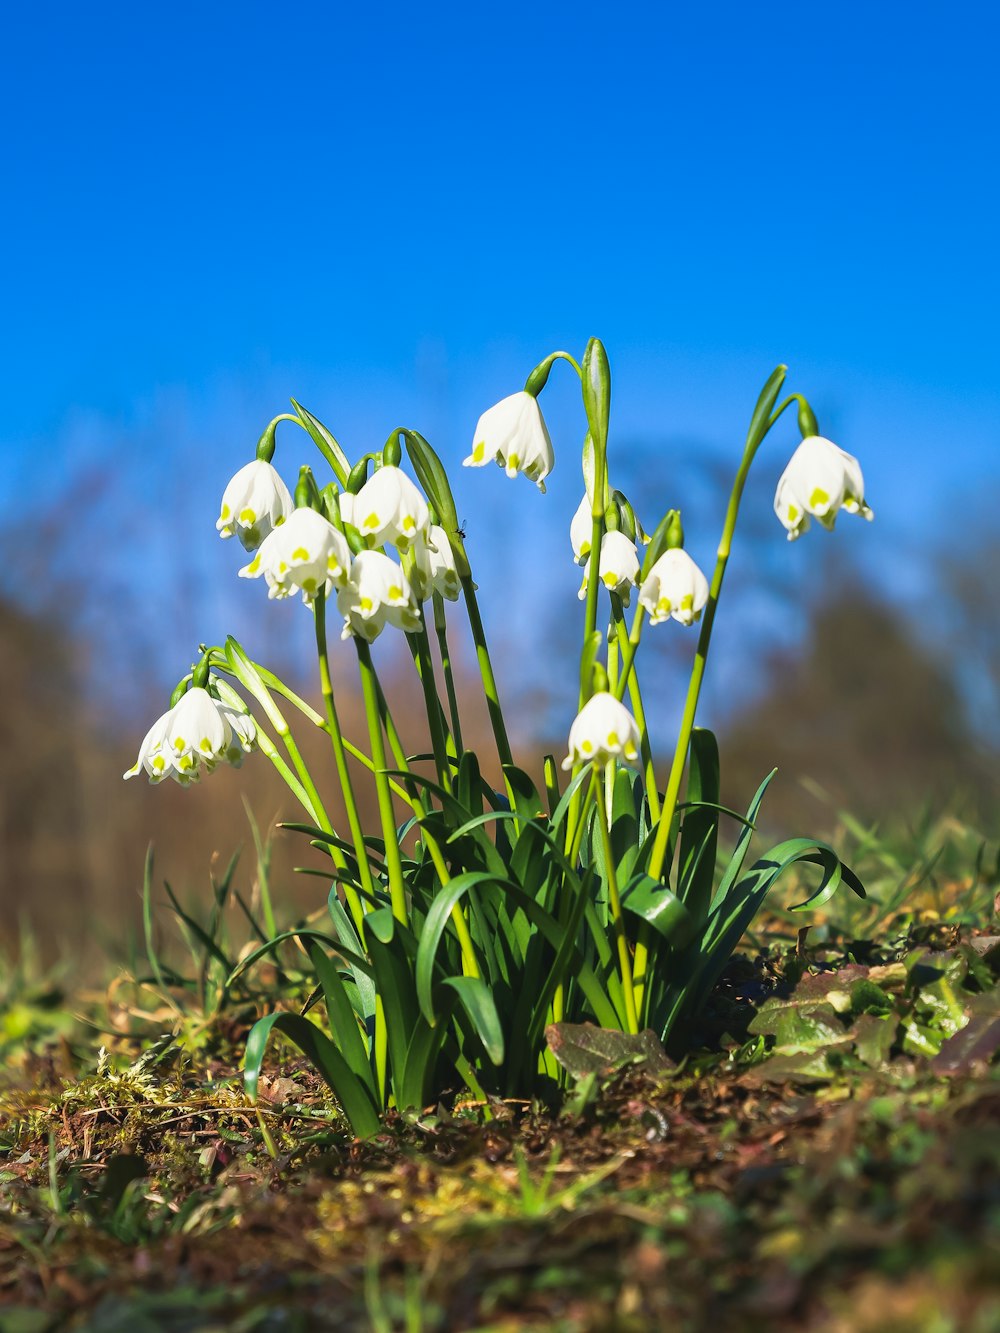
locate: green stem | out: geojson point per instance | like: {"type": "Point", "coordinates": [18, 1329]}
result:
{"type": "Point", "coordinates": [393, 860]}
{"type": "Point", "coordinates": [628, 675]}
{"type": "Point", "coordinates": [615, 903]}
{"type": "Point", "coordinates": [270, 750]}
{"type": "Point", "coordinates": [420, 647]}
{"type": "Point", "coordinates": [420, 807]}
{"type": "Point", "coordinates": [441, 627]}
{"type": "Point", "coordinates": [340, 759]}
{"type": "Point", "coordinates": [486, 672]}
{"type": "Point", "coordinates": [754, 440]}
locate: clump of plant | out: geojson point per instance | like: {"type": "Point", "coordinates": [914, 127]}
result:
{"type": "Point", "coordinates": [471, 919]}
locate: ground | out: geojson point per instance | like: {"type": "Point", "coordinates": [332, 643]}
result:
{"type": "Point", "coordinates": [823, 1157]}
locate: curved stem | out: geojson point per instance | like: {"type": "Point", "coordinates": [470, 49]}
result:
{"type": "Point", "coordinates": [754, 440]}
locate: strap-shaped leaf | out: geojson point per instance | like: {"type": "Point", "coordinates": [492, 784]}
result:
{"type": "Point", "coordinates": [765, 404]}
{"type": "Point", "coordinates": [300, 933]}
{"type": "Point", "coordinates": [651, 901]}
{"type": "Point", "coordinates": [343, 1021]}
{"type": "Point", "coordinates": [736, 861]}
{"type": "Point", "coordinates": [430, 936]}
{"type": "Point", "coordinates": [350, 948]}
{"type": "Point", "coordinates": [700, 826]}
{"type": "Point", "coordinates": [411, 1086]}
{"type": "Point", "coordinates": [317, 1047]}
{"type": "Point", "coordinates": [730, 919]}
{"type": "Point", "coordinates": [326, 443]}
{"type": "Point", "coordinates": [478, 1001]}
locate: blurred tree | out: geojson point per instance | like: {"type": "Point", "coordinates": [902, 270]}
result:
{"type": "Point", "coordinates": [864, 712]}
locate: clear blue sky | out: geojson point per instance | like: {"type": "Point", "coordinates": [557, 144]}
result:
{"type": "Point", "coordinates": [393, 212]}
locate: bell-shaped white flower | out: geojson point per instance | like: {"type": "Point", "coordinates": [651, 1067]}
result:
{"type": "Point", "coordinates": [513, 432]}
{"type": "Point", "coordinates": [434, 566]}
{"type": "Point", "coordinates": [604, 730]}
{"type": "Point", "coordinates": [581, 530]}
{"type": "Point", "coordinates": [674, 587]}
{"type": "Point", "coordinates": [153, 757]}
{"type": "Point", "coordinates": [198, 733]}
{"type": "Point", "coordinates": [254, 503]}
{"type": "Point", "coordinates": [390, 508]}
{"type": "Point", "coordinates": [377, 593]}
{"type": "Point", "coordinates": [619, 568]}
{"type": "Point", "coordinates": [307, 552]}
{"type": "Point", "coordinates": [820, 480]}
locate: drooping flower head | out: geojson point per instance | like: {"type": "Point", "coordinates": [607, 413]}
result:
{"type": "Point", "coordinates": [513, 433]}
{"type": "Point", "coordinates": [820, 480]}
{"type": "Point", "coordinates": [581, 530]}
{"type": "Point", "coordinates": [619, 567]}
{"type": "Point", "coordinates": [254, 503]}
{"type": "Point", "coordinates": [434, 566]}
{"type": "Point", "coordinates": [198, 733]}
{"type": "Point", "coordinates": [376, 594]}
{"type": "Point", "coordinates": [306, 553]}
{"type": "Point", "coordinates": [604, 730]}
{"type": "Point", "coordinates": [674, 587]}
{"type": "Point", "coordinates": [390, 508]}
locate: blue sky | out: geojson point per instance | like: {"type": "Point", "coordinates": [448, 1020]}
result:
{"type": "Point", "coordinates": [393, 214]}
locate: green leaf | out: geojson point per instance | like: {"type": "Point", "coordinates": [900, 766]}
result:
{"type": "Point", "coordinates": [700, 826]}
{"type": "Point", "coordinates": [299, 933]}
{"type": "Point", "coordinates": [317, 1047]}
{"type": "Point", "coordinates": [342, 1018]}
{"type": "Point", "coordinates": [434, 479]}
{"type": "Point", "coordinates": [707, 955]}
{"type": "Point", "coordinates": [410, 1087]}
{"type": "Point", "coordinates": [582, 1048]}
{"type": "Point", "coordinates": [430, 937]}
{"type": "Point", "coordinates": [478, 1001]}
{"type": "Point", "coordinates": [798, 1025]}
{"type": "Point", "coordinates": [326, 443]}
{"type": "Point", "coordinates": [350, 949]}
{"type": "Point", "coordinates": [760, 420]}
{"type": "Point", "coordinates": [651, 901]}
{"type": "Point", "coordinates": [736, 861]}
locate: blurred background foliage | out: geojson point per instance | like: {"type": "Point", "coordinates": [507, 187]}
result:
{"type": "Point", "coordinates": [867, 704]}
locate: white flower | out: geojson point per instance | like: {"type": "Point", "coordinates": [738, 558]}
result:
{"type": "Point", "coordinates": [389, 508]}
{"type": "Point", "coordinates": [604, 730]}
{"type": "Point", "coordinates": [198, 732]}
{"type": "Point", "coordinates": [306, 552]}
{"type": "Point", "coordinates": [514, 434]}
{"type": "Point", "coordinates": [152, 756]}
{"type": "Point", "coordinates": [377, 593]}
{"type": "Point", "coordinates": [675, 587]}
{"type": "Point", "coordinates": [254, 503]}
{"type": "Point", "coordinates": [434, 564]}
{"type": "Point", "coordinates": [619, 566]}
{"type": "Point", "coordinates": [581, 529]}
{"type": "Point", "coordinates": [820, 479]}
